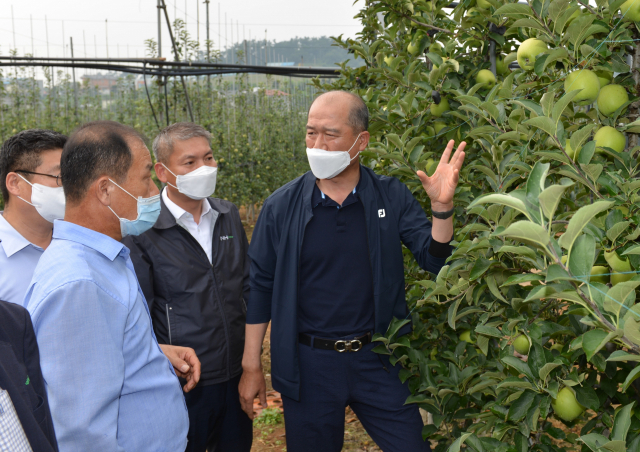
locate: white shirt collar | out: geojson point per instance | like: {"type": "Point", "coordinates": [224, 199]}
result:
{"type": "Point", "coordinates": [11, 240]}
{"type": "Point", "coordinates": [177, 211]}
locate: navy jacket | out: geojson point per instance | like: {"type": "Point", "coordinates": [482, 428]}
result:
{"type": "Point", "coordinates": [21, 377]}
{"type": "Point", "coordinates": [393, 217]}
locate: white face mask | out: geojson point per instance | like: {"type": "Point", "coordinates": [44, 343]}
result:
{"type": "Point", "coordinates": [48, 201]}
{"type": "Point", "coordinates": [328, 164]}
{"type": "Point", "coordinates": [198, 184]}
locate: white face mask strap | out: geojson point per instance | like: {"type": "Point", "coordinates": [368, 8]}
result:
{"type": "Point", "coordinates": [354, 143]}
{"type": "Point", "coordinates": [20, 197]}
{"type": "Point", "coordinates": [109, 207]}
{"type": "Point", "coordinates": [169, 183]}
{"type": "Point", "coordinates": [122, 190]}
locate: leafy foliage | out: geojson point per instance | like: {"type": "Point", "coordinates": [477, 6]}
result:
{"type": "Point", "coordinates": [539, 204]}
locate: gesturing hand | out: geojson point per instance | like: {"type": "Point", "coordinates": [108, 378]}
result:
{"type": "Point", "coordinates": [442, 185]}
{"type": "Point", "coordinates": [185, 363]}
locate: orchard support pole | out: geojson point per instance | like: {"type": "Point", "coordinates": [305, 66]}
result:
{"type": "Point", "coordinates": [175, 52]}
{"type": "Point", "coordinates": [492, 55]}
{"type": "Point", "coordinates": [75, 88]}
{"type": "Point", "coordinates": [635, 70]}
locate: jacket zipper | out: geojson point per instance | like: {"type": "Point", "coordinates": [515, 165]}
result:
{"type": "Point", "coordinates": [166, 306]}
{"type": "Point", "coordinates": [220, 306]}
{"type": "Point", "coordinates": [373, 288]}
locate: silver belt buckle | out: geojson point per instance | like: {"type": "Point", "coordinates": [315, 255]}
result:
{"type": "Point", "coordinates": [348, 346]}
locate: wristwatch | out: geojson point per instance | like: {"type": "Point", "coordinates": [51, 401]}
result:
{"type": "Point", "coordinates": [443, 215]}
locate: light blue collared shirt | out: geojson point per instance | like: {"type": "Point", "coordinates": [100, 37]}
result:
{"type": "Point", "coordinates": [18, 260]}
{"type": "Point", "coordinates": [110, 387]}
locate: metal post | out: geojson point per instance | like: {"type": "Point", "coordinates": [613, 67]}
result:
{"type": "Point", "coordinates": [206, 2]}
{"type": "Point", "coordinates": [75, 88]}
{"type": "Point", "coordinates": [13, 26]}
{"type": "Point", "coordinates": [159, 29]}
{"type": "Point", "coordinates": [175, 53]}
{"type": "Point", "coordinates": [492, 55]}
{"type": "Point", "coordinates": [266, 53]}
{"type": "Point", "coordinates": [106, 32]}
{"type": "Point", "coordinates": [33, 49]}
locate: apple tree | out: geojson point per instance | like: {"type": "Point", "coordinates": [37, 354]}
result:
{"type": "Point", "coordinates": [529, 339]}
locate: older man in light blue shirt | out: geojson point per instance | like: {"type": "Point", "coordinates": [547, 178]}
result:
{"type": "Point", "coordinates": [110, 387]}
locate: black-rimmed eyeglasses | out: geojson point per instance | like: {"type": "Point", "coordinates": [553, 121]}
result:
{"type": "Point", "coordinates": [57, 178]}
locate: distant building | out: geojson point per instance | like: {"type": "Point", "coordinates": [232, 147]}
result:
{"type": "Point", "coordinates": [103, 82]}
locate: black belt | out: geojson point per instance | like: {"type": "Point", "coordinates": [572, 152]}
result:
{"type": "Point", "coordinates": [348, 345]}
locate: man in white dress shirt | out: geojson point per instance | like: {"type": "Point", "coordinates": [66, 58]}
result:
{"type": "Point", "coordinates": [199, 245]}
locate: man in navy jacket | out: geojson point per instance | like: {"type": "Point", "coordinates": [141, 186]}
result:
{"type": "Point", "coordinates": [327, 271]}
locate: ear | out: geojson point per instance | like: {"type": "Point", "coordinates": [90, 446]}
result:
{"type": "Point", "coordinates": [16, 186]}
{"type": "Point", "coordinates": [363, 141]}
{"type": "Point", "coordinates": [103, 189]}
{"type": "Point", "coordinates": [161, 172]}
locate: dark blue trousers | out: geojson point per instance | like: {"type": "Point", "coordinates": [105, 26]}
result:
{"type": "Point", "coordinates": [216, 420]}
{"type": "Point", "coordinates": [331, 381]}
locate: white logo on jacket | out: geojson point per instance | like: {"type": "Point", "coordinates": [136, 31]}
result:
{"type": "Point", "coordinates": [381, 213]}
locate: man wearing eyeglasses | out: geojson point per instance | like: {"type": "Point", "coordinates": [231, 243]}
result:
{"type": "Point", "coordinates": [33, 198]}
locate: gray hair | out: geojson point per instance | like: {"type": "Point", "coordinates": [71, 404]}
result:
{"type": "Point", "coordinates": [180, 131]}
{"type": "Point", "coordinates": [358, 114]}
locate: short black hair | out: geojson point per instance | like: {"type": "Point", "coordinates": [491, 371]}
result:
{"type": "Point", "coordinates": [22, 151]}
{"type": "Point", "coordinates": [93, 150]}
{"type": "Point", "coordinates": [358, 114]}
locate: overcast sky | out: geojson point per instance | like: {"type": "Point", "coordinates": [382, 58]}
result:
{"type": "Point", "coordinates": [130, 22]}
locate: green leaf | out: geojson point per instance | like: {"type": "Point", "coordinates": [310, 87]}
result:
{"type": "Point", "coordinates": [505, 200]}
{"type": "Point", "coordinates": [518, 409]}
{"type": "Point", "coordinates": [455, 446]}
{"type": "Point", "coordinates": [542, 123]}
{"type": "Point", "coordinates": [515, 383]}
{"type": "Point", "coordinates": [395, 140]}
{"type": "Point", "coordinates": [489, 331]}
{"type": "Point", "coordinates": [586, 153]}
{"type": "Point", "coordinates": [622, 294]}
{"type": "Point", "coordinates": [582, 256]}
{"type": "Point", "coordinates": [546, 370]}
{"type": "Point", "coordinates": [513, 9]}
{"type": "Point", "coordinates": [587, 397]}
{"type": "Point", "coordinates": [556, 273]}
{"type": "Point", "coordinates": [633, 375]}
{"type": "Point", "coordinates": [621, 423]}
{"type": "Point", "coordinates": [621, 355]}
{"type": "Point", "coordinates": [518, 365]}
{"type": "Point", "coordinates": [594, 441]}
{"type": "Point", "coordinates": [594, 340]}
{"type": "Point", "coordinates": [633, 250]}
{"type": "Point", "coordinates": [528, 232]}
{"type": "Point", "coordinates": [617, 229]}
{"type": "Point", "coordinates": [550, 198]}
{"type": "Point", "coordinates": [556, 54]}
{"type": "Point", "coordinates": [536, 180]}
{"type": "Point", "coordinates": [563, 103]}
{"type": "Point", "coordinates": [579, 220]}
{"type": "Point", "coordinates": [519, 279]}
{"type": "Point", "coordinates": [581, 135]}
{"type": "Point", "coordinates": [528, 23]}
{"type": "Point", "coordinates": [479, 268]}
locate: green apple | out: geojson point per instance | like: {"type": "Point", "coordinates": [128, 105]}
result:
{"type": "Point", "coordinates": [566, 405]}
{"type": "Point", "coordinates": [438, 126]}
{"type": "Point", "coordinates": [486, 77]}
{"type": "Point", "coordinates": [528, 51]}
{"type": "Point", "coordinates": [563, 259]}
{"type": "Point", "coordinates": [436, 48]}
{"type": "Point", "coordinates": [570, 152]}
{"type": "Point", "coordinates": [413, 48]}
{"type": "Point", "coordinates": [466, 336]}
{"type": "Point", "coordinates": [620, 277]}
{"type": "Point", "coordinates": [600, 274]}
{"type": "Point", "coordinates": [604, 77]}
{"type": "Point", "coordinates": [438, 110]}
{"type": "Point", "coordinates": [608, 137]}
{"type": "Point", "coordinates": [502, 68]}
{"type": "Point", "coordinates": [611, 98]}
{"type": "Point", "coordinates": [588, 84]}
{"type": "Point", "coordinates": [631, 10]}
{"type": "Point", "coordinates": [409, 5]}
{"type": "Point", "coordinates": [388, 60]}
{"type": "Point", "coordinates": [616, 263]}
{"type": "Point", "coordinates": [483, 4]}
{"type": "Point", "coordinates": [522, 345]}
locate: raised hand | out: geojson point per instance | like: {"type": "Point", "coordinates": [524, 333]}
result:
{"type": "Point", "coordinates": [442, 185]}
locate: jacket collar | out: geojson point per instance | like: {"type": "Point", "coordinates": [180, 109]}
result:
{"type": "Point", "coordinates": [309, 182]}
{"type": "Point", "coordinates": [166, 219]}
